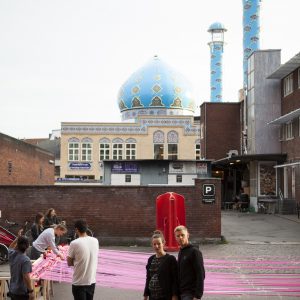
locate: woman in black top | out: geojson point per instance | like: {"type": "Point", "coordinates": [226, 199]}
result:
{"type": "Point", "coordinates": [50, 218]}
{"type": "Point", "coordinates": [38, 226]}
{"type": "Point", "coordinates": [161, 279]}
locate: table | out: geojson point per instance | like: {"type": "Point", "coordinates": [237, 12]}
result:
{"type": "Point", "coordinates": [3, 286]}
{"type": "Point", "coordinates": [47, 286]}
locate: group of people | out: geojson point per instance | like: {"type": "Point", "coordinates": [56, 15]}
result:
{"type": "Point", "coordinates": [82, 255]}
{"type": "Point", "coordinates": [168, 279]}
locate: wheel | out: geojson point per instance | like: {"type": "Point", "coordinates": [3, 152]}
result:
{"type": "Point", "coordinates": [3, 254]}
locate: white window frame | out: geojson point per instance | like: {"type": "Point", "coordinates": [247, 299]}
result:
{"type": "Point", "coordinates": [130, 151]}
{"type": "Point", "coordinates": [117, 151]}
{"type": "Point", "coordinates": [86, 151]}
{"type": "Point", "coordinates": [158, 155]}
{"type": "Point", "coordinates": [75, 151]}
{"type": "Point", "coordinates": [104, 151]}
{"type": "Point", "coordinates": [288, 85]}
{"type": "Point", "coordinates": [289, 131]}
{"type": "Point", "coordinates": [128, 178]}
{"type": "Point", "coordinates": [179, 178]}
{"type": "Point", "coordinates": [171, 155]}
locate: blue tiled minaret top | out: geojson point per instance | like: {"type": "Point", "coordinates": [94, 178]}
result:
{"type": "Point", "coordinates": [251, 30]}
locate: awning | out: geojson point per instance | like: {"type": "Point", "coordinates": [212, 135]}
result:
{"type": "Point", "coordinates": [237, 160]}
{"type": "Point", "coordinates": [288, 165]}
{"type": "Point", "coordinates": [286, 118]}
{"type": "Point", "coordinates": [286, 68]}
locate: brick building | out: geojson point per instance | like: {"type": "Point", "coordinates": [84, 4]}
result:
{"type": "Point", "coordinates": [24, 164]}
{"type": "Point", "coordinates": [220, 126]}
{"type": "Point", "coordinates": [288, 128]}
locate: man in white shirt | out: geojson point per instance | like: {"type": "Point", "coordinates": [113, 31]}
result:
{"type": "Point", "coordinates": [83, 255]}
{"type": "Point", "coordinates": [47, 239]}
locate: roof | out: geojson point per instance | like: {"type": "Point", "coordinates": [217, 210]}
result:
{"type": "Point", "coordinates": [217, 26]}
{"type": "Point", "coordinates": [286, 68]}
{"type": "Point", "coordinates": [239, 159]}
{"type": "Point", "coordinates": [286, 118]}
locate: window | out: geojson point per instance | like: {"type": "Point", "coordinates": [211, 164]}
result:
{"type": "Point", "coordinates": [104, 151]}
{"type": "Point", "coordinates": [130, 151]}
{"type": "Point", "coordinates": [158, 151]}
{"type": "Point", "coordinates": [172, 151]}
{"type": "Point", "coordinates": [178, 178]}
{"type": "Point", "coordinates": [9, 167]}
{"type": "Point", "coordinates": [127, 178]}
{"type": "Point", "coordinates": [289, 131]}
{"type": "Point", "coordinates": [288, 85]}
{"type": "Point", "coordinates": [197, 151]}
{"type": "Point", "coordinates": [73, 151]}
{"type": "Point", "coordinates": [86, 151]}
{"type": "Point", "coordinates": [118, 151]}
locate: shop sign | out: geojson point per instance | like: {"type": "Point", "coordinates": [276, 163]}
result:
{"type": "Point", "coordinates": [125, 167]}
{"type": "Point", "coordinates": [80, 166]}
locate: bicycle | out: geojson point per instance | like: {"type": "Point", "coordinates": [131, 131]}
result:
{"type": "Point", "coordinates": [6, 238]}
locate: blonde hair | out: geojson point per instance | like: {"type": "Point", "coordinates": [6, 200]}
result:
{"type": "Point", "coordinates": [180, 228]}
{"type": "Point", "coordinates": [61, 227]}
{"type": "Point", "coordinates": [157, 234]}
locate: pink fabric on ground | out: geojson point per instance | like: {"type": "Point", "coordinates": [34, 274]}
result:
{"type": "Point", "coordinates": [266, 276]}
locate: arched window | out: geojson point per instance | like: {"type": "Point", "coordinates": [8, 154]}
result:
{"type": "Point", "coordinates": [158, 137]}
{"type": "Point", "coordinates": [86, 149]}
{"type": "Point", "coordinates": [104, 148]}
{"type": "Point", "coordinates": [158, 143]}
{"type": "Point", "coordinates": [172, 139]}
{"type": "Point", "coordinates": [130, 148]}
{"type": "Point", "coordinates": [117, 149]}
{"type": "Point", "coordinates": [73, 149]}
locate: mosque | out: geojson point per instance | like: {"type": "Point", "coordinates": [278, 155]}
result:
{"type": "Point", "coordinates": [158, 130]}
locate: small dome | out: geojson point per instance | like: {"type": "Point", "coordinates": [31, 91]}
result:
{"type": "Point", "coordinates": [155, 89]}
{"type": "Point", "coordinates": [216, 26]}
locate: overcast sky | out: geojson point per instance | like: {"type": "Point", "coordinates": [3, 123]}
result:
{"type": "Point", "coordinates": [65, 60]}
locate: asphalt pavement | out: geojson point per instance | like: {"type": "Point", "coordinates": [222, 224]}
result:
{"type": "Point", "coordinates": [260, 248]}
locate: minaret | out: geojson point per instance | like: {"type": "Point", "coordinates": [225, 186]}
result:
{"type": "Point", "coordinates": [251, 10]}
{"type": "Point", "coordinates": [216, 54]}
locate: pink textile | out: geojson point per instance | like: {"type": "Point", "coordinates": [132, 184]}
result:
{"type": "Point", "coordinates": [243, 276]}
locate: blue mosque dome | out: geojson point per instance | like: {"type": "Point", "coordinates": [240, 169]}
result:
{"type": "Point", "coordinates": [216, 26]}
{"type": "Point", "coordinates": [155, 89]}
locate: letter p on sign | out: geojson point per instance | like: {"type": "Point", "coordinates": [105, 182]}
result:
{"type": "Point", "coordinates": [208, 189]}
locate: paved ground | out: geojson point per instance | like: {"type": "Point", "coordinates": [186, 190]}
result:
{"type": "Point", "coordinates": [253, 237]}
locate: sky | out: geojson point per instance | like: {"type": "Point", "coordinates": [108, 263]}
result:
{"type": "Point", "coordinates": [65, 60]}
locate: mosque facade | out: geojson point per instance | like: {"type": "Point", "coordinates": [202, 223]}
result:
{"type": "Point", "coordinates": [157, 110]}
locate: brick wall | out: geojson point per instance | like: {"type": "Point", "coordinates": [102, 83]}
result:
{"type": "Point", "coordinates": [222, 129]}
{"type": "Point", "coordinates": [291, 101]}
{"type": "Point", "coordinates": [114, 213]}
{"type": "Point", "coordinates": [21, 163]}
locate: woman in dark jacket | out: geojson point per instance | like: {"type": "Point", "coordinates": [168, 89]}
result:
{"type": "Point", "coordinates": [161, 279]}
{"type": "Point", "coordinates": [50, 218]}
{"type": "Point", "coordinates": [38, 226]}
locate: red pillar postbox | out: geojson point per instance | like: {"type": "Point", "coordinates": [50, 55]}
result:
{"type": "Point", "coordinates": [170, 212]}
